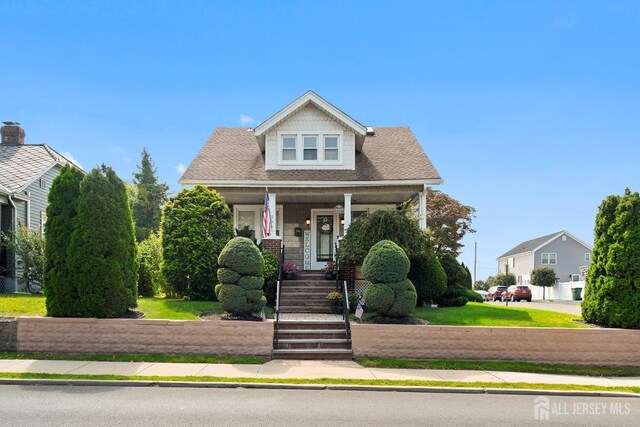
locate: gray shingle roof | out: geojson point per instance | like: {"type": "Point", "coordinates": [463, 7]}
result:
{"type": "Point", "coordinates": [529, 245]}
{"type": "Point", "coordinates": [233, 154]}
{"type": "Point", "coordinates": [22, 164]}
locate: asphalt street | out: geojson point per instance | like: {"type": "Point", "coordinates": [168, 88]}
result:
{"type": "Point", "coordinates": [159, 406]}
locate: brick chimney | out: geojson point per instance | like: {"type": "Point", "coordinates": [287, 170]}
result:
{"type": "Point", "coordinates": [12, 133]}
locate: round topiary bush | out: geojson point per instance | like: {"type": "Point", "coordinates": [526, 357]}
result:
{"type": "Point", "coordinates": [379, 297]}
{"type": "Point", "coordinates": [242, 256]}
{"type": "Point", "coordinates": [386, 262]}
{"type": "Point", "coordinates": [392, 294]}
{"type": "Point", "coordinates": [240, 289]}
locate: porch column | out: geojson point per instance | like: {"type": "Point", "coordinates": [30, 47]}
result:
{"type": "Point", "coordinates": [272, 214]}
{"type": "Point", "coordinates": [422, 209]}
{"type": "Point", "coordinates": [347, 212]}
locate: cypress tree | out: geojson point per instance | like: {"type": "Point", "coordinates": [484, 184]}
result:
{"type": "Point", "coordinates": [102, 255]}
{"type": "Point", "coordinates": [612, 292]}
{"type": "Point", "coordinates": [59, 290]}
{"type": "Point", "coordinates": [149, 198]}
{"type": "Point", "coordinates": [196, 225]}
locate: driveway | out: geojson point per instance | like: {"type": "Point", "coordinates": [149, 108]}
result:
{"type": "Point", "coordinates": [570, 307]}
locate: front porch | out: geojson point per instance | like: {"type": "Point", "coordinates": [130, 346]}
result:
{"type": "Point", "coordinates": [308, 220]}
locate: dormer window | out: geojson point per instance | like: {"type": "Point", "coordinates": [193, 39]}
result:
{"type": "Point", "coordinates": [307, 148]}
{"type": "Point", "coordinates": [310, 147]}
{"type": "Point", "coordinates": [289, 149]}
{"type": "Point", "coordinates": [331, 147]}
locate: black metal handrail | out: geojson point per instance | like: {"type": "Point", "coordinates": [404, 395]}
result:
{"type": "Point", "coordinates": [342, 287]}
{"type": "Point", "coordinates": [276, 335]}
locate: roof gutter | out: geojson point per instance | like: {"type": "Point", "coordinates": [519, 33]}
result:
{"type": "Point", "coordinates": [308, 184]}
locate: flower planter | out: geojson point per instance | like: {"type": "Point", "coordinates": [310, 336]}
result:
{"type": "Point", "coordinates": [289, 276]}
{"type": "Point", "coordinates": [330, 276]}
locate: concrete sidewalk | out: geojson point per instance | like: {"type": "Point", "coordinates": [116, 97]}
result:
{"type": "Point", "coordinates": [299, 369]}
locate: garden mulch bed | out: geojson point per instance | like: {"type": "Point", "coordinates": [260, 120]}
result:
{"type": "Point", "coordinates": [221, 315]}
{"type": "Point", "coordinates": [382, 320]}
{"type": "Point", "coordinates": [132, 314]}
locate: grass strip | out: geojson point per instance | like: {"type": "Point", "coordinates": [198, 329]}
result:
{"type": "Point", "coordinates": [327, 381]}
{"type": "Point", "coordinates": [480, 365]}
{"type": "Point", "coordinates": [152, 358]}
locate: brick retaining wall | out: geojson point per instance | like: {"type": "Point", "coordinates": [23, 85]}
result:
{"type": "Point", "coordinates": [615, 347]}
{"type": "Point", "coordinates": [8, 333]}
{"type": "Point", "coordinates": [215, 337]}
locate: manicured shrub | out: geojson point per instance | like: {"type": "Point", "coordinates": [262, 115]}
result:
{"type": "Point", "coordinates": [453, 302]}
{"type": "Point", "coordinates": [473, 296]}
{"type": "Point", "coordinates": [61, 293]}
{"type": "Point", "coordinates": [391, 294]}
{"type": "Point", "coordinates": [612, 293]}
{"type": "Point", "coordinates": [379, 297]}
{"type": "Point", "coordinates": [456, 274]}
{"type": "Point", "coordinates": [367, 230]}
{"type": "Point", "coordinates": [245, 297]}
{"type": "Point", "coordinates": [196, 224]}
{"type": "Point", "coordinates": [150, 278]}
{"type": "Point", "coordinates": [227, 275]}
{"type": "Point", "coordinates": [242, 256]}
{"type": "Point", "coordinates": [468, 278]}
{"type": "Point", "coordinates": [102, 254]}
{"type": "Point", "coordinates": [386, 262]}
{"type": "Point", "coordinates": [428, 276]}
{"type": "Point", "coordinates": [270, 273]}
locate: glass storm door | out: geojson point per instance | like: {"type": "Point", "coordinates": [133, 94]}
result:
{"type": "Point", "coordinates": [324, 240]}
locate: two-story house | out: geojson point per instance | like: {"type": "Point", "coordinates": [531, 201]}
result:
{"type": "Point", "coordinates": [26, 173]}
{"type": "Point", "coordinates": [565, 253]}
{"type": "Point", "coordinates": [322, 169]}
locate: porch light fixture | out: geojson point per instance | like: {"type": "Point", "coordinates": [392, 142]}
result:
{"type": "Point", "coordinates": [308, 221]}
{"type": "Point", "coordinates": [342, 221]}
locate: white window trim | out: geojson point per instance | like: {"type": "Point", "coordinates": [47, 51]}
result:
{"type": "Point", "coordinates": [258, 218]}
{"type": "Point", "coordinates": [587, 256]}
{"type": "Point", "coordinates": [549, 258]}
{"type": "Point", "coordinates": [300, 148]}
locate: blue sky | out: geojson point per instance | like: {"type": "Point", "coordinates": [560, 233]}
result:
{"type": "Point", "coordinates": [530, 110]}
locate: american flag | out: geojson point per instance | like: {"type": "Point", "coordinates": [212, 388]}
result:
{"type": "Point", "coordinates": [266, 220]}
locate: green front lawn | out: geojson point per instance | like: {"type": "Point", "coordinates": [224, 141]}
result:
{"type": "Point", "coordinates": [479, 314]}
{"type": "Point", "coordinates": [13, 305]}
{"type": "Point", "coordinates": [154, 308]}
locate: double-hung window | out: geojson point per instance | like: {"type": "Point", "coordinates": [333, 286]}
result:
{"type": "Point", "coordinates": [331, 148]}
{"type": "Point", "coordinates": [310, 149]}
{"type": "Point", "coordinates": [289, 149]}
{"type": "Point", "coordinates": [549, 259]}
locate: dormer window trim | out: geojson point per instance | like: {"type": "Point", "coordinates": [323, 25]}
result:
{"type": "Point", "coordinates": [306, 152]}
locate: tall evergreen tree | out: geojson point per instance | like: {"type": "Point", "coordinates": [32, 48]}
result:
{"type": "Point", "coordinates": [102, 254]}
{"type": "Point", "coordinates": [612, 293]}
{"type": "Point", "coordinates": [196, 226]}
{"type": "Point", "coordinates": [59, 289]}
{"type": "Point", "coordinates": [151, 195]}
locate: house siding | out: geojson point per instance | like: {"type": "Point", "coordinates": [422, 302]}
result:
{"type": "Point", "coordinates": [39, 196]}
{"type": "Point", "coordinates": [524, 265]}
{"type": "Point", "coordinates": [310, 119]}
{"type": "Point", "coordinates": [570, 257]}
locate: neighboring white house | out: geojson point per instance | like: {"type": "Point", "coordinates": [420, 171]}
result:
{"type": "Point", "coordinates": [568, 255]}
{"type": "Point", "coordinates": [322, 169]}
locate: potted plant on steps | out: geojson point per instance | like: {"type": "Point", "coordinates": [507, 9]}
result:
{"type": "Point", "coordinates": [330, 270]}
{"type": "Point", "coordinates": [290, 270]}
{"type": "Point", "coordinates": [336, 298]}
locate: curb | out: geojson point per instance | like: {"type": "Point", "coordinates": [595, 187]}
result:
{"type": "Point", "coordinates": [338, 387]}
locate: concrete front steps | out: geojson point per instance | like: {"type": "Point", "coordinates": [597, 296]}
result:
{"type": "Point", "coordinates": [313, 339]}
{"type": "Point", "coordinates": [307, 295]}
{"type": "Point", "coordinates": [307, 333]}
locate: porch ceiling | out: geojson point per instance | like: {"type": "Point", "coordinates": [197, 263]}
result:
{"type": "Point", "coordinates": [360, 195]}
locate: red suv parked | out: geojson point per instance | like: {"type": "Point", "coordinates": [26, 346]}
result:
{"type": "Point", "coordinates": [517, 293]}
{"type": "Point", "coordinates": [495, 293]}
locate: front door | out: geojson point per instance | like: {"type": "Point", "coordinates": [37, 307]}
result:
{"type": "Point", "coordinates": [322, 238]}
